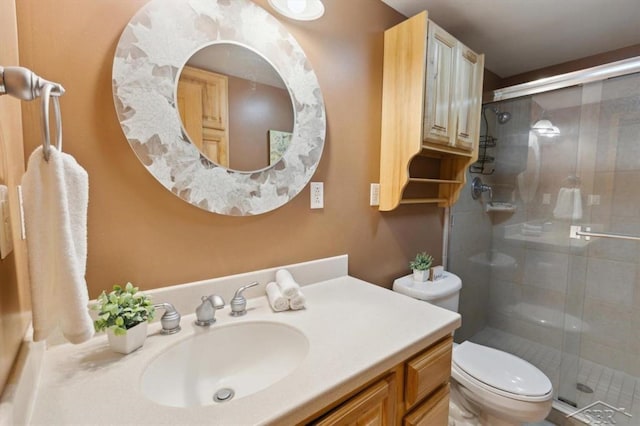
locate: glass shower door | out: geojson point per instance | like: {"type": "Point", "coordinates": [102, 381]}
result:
{"type": "Point", "coordinates": [606, 303]}
{"type": "Point", "coordinates": [569, 306]}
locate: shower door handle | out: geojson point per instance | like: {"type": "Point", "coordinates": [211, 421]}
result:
{"type": "Point", "coordinates": [576, 232]}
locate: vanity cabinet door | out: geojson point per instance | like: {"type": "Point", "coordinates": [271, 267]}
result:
{"type": "Point", "coordinates": [433, 412]}
{"type": "Point", "coordinates": [375, 405]}
{"type": "Point", "coordinates": [468, 94]}
{"type": "Point", "coordinates": [428, 371]}
{"type": "Point", "coordinates": [439, 112]}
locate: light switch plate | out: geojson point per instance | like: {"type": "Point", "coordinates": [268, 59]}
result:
{"type": "Point", "coordinates": [546, 198]}
{"type": "Point", "coordinates": [374, 194]}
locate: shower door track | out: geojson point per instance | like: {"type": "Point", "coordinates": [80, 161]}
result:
{"type": "Point", "coordinates": [561, 81]}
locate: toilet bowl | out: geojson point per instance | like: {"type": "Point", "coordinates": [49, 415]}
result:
{"type": "Point", "coordinates": [489, 387]}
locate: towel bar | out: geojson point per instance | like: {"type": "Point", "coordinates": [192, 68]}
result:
{"type": "Point", "coordinates": [26, 85]}
{"type": "Point", "coordinates": [576, 232]}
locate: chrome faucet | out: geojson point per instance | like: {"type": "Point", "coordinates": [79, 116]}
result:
{"type": "Point", "coordinates": [239, 303]}
{"type": "Point", "coordinates": [170, 320]}
{"type": "Point", "coordinates": [206, 312]}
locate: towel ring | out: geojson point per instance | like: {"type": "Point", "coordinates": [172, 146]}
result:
{"type": "Point", "coordinates": [46, 96]}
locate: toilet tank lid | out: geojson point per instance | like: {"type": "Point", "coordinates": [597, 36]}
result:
{"type": "Point", "coordinates": [501, 370]}
{"type": "Point", "coordinates": [429, 290]}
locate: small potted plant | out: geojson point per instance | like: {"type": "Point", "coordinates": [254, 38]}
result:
{"type": "Point", "coordinates": [420, 266]}
{"type": "Point", "coordinates": [124, 313]}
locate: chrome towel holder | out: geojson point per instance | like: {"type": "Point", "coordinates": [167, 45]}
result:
{"type": "Point", "coordinates": [24, 84]}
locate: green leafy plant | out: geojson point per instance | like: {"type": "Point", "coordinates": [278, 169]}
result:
{"type": "Point", "coordinates": [422, 262]}
{"type": "Point", "coordinates": [122, 309]}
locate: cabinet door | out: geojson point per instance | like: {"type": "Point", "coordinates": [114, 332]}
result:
{"type": "Point", "coordinates": [433, 412]}
{"type": "Point", "coordinates": [469, 71]}
{"type": "Point", "coordinates": [439, 116]}
{"type": "Point", "coordinates": [427, 371]}
{"type": "Point", "coordinates": [375, 405]}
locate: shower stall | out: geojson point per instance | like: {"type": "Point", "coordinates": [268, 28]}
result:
{"type": "Point", "coordinates": [558, 158]}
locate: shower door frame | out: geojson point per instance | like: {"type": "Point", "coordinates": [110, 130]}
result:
{"type": "Point", "coordinates": [561, 81]}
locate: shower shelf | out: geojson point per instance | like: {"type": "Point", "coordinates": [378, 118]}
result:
{"type": "Point", "coordinates": [488, 141]}
{"type": "Point", "coordinates": [423, 200]}
{"type": "Point", "coordinates": [442, 181]}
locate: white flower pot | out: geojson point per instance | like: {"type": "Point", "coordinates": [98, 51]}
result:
{"type": "Point", "coordinates": [129, 342]}
{"type": "Point", "coordinates": [420, 276]}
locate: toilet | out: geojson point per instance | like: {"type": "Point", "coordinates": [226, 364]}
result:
{"type": "Point", "coordinates": [489, 387]}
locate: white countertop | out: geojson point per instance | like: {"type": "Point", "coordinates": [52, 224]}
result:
{"type": "Point", "coordinates": [356, 331]}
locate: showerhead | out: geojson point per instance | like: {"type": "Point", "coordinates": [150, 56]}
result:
{"type": "Point", "coordinates": [502, 116]}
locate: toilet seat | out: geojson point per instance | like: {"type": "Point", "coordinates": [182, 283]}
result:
{"type": "Point", "coordinates": [500, 373]}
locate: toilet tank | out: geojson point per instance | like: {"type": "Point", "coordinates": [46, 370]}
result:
{"type": "Point", "coordinates": [444, 293]}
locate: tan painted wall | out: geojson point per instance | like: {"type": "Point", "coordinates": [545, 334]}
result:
{"type": "Point", "coordinates": [140, 232]}
{"type": "Point", "coordinates": [14, 279]}
{"type": "Point", "coordinates": [254, 109]}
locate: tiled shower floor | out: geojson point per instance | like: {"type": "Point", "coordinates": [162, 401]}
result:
{"type": "Point", "coordinates": [613, 387]}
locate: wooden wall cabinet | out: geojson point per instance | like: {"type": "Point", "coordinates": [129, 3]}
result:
{"type": "Point", "coordinates": [203, 102]}
{"type": "Point", "coordinates": [432, 94]}
{"type": "Point", "coordinates": [414, 393]}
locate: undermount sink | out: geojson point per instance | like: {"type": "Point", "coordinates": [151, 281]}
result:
{"type": "Point", "coordinates": [224, 363]}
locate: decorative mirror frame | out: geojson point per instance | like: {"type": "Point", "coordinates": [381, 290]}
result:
{"type": "Point", "coordinates": [151, 52]}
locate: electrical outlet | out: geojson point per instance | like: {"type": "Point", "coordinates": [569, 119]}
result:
{"type": "Point", "coordinates": [374, 194]}
{"type": "Point", "coordinates": [317, 195]}
{"type": "Point", "coordinates": [546, 198]}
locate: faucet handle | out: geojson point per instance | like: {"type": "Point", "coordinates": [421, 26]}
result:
{"type": "Point", "coordinates": [206, 312]}
{"type": "Point", "coordinates": [239, 302]}
{"type": "Point", "coordinates": [170, 320]}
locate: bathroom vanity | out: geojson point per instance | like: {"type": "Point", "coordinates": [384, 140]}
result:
{"type": "Point", "coordinates": [364, 352]}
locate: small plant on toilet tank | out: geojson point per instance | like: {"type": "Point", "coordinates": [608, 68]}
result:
{"type": "Point", "coordinates": [124, 313]}
{"type": "Point", "coordinates": [420, 266]}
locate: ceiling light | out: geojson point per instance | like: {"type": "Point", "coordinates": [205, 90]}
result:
{"type": "Point", "coordinates": [544, 127]}
{"type": "Point", "coordinates": [301, 10]}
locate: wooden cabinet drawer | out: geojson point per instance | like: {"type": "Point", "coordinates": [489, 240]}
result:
{"type": "Point", "coordinates": [427, 371]}
{"type": "Point", "coordinates": [376, 405]}
{"type": "Point", "coordinates": [432, 412]}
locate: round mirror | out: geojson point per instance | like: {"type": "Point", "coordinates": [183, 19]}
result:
{"type": "Point", "coordinates": [235, 107]}
{"type": "Point", "coordinates": [151, 54]}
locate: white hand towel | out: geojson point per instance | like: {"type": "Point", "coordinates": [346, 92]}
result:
{"type": "Point", "coordinates": [56, 194]}
{"type": "Point", "coordinates": [277, 301]}
{"type": "Point", "coordinates": [568, 204]}
{"type": "Point", "coordinates": [288, 286]}
{"type": "Point", "coordinates": [530, 227]}
{"type": "Point", "coordinates": [298, 301]}
{"type": "Point", "coordinates": [576, 213]}
{"type": "Point", "coordinates": [564, 204]}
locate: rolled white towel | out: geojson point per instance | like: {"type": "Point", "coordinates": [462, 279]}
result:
{"type": "Point", "coordinates": [277, 301]}
{"type": "Point", "coordinates": [298, 301]}
{"type": "Point", "coordinates": [288, 286]}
